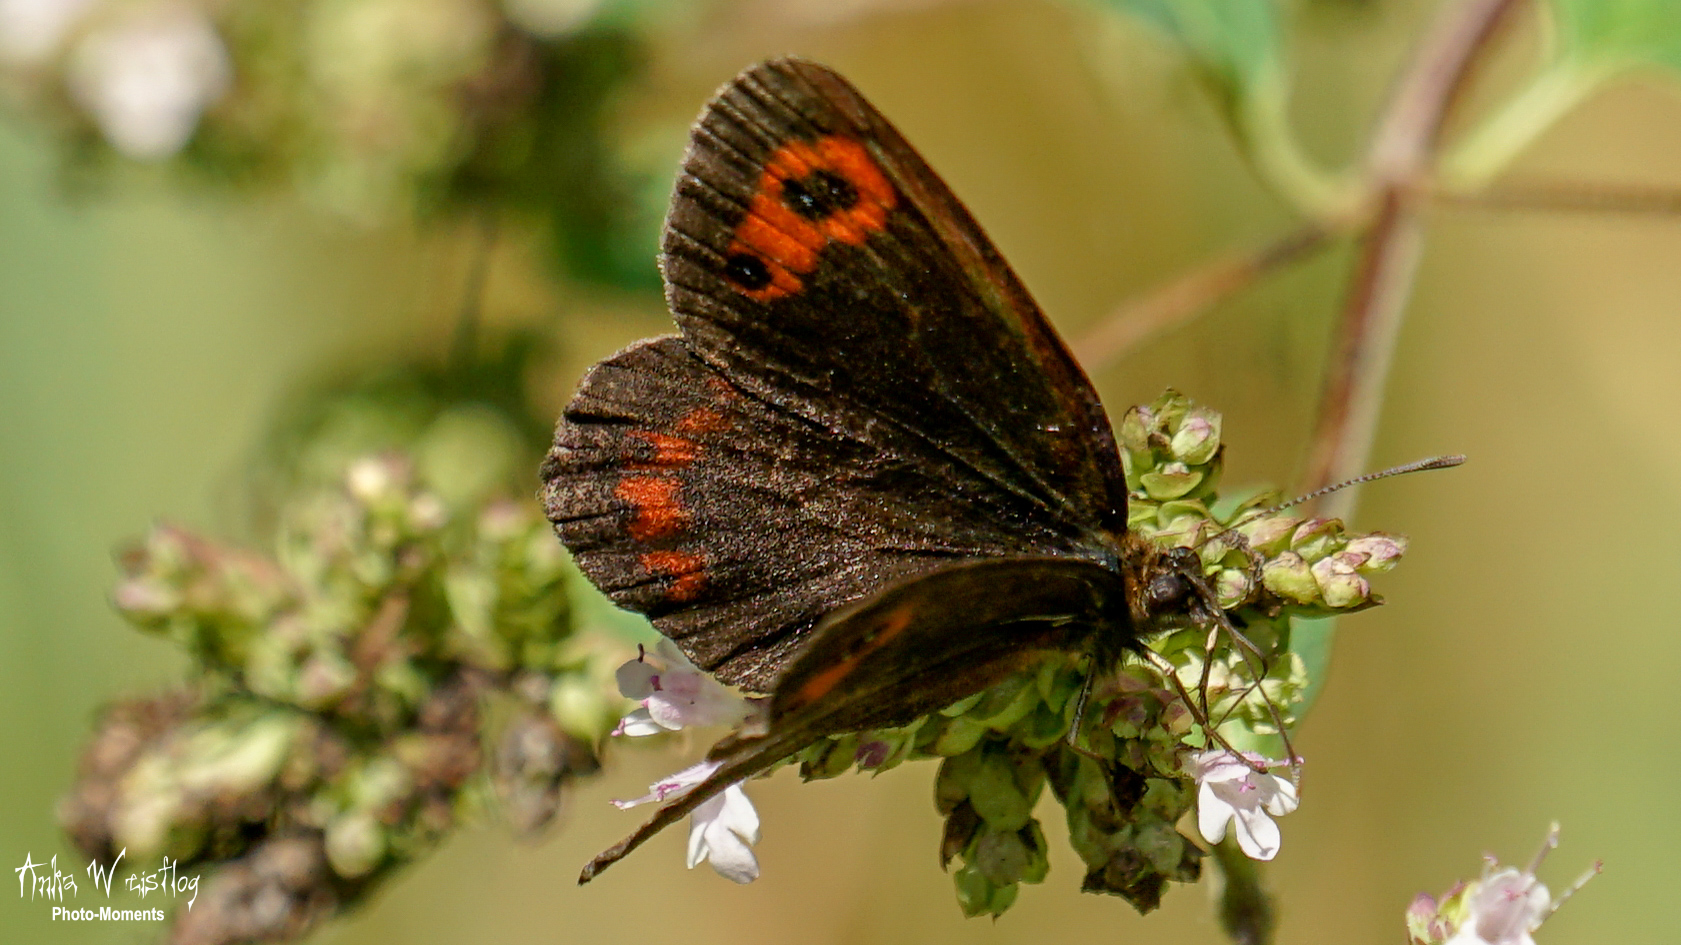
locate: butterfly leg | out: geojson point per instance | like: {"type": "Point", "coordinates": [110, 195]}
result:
{"type": "Point", "coordinates": [1200, 715]}
{"type": "Point", "coordinates": [1251, 655]}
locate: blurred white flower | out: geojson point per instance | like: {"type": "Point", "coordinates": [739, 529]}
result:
{"type": "Point", "coordinates": [31, 30]}
{"type": "Point", "coordinates": [1504, 907]}
{"type": "Point", "coordinates": [550, 18]}
{"type": "Point", "coordinates": [722, 831]}
{"type": "Point", "coordinates": [1230, 791]}
{"type": "Point", "coordinates": [147, 78]}
{"type": "Point", "coordinates": [675, 694]}
{"type": "Point", "coordinates": [1504, 910]}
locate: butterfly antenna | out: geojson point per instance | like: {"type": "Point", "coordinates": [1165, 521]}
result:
{"type": "Point", "coordinates": [1434, 462]}
{"type": "Point", "coordinates": [1417, 466]}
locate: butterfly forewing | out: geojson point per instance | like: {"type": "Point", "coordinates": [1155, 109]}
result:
{"type": "Point", "coordinates": [814, 257]}
{"type": "Point", "coordinates": [733, 525]}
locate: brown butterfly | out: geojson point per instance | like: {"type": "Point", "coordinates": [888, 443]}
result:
{"type": "Point", "coordinates": [866, 478]}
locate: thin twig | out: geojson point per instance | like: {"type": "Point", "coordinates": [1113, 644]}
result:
{"type": "Point", "coordinates": [1568, 197]}
{"type": "Point", "coordinates": [1402, 151]}
{"type": "Point", "coordinates": [1180, 300]}
{"type": "Point", "coordinates": [463, 348]}
{"type": "Point", "coordinates": [1371, 320]}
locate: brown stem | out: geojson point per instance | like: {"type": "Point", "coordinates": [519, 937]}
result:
{"type": "Point", "coordinates": [1371, 320]}
{"type": "Point", "coordinates": [1402, 150]}
{"type": "Point", "coordinates": [1568, 197]}
{"type": "Point", "coordinates": [1178, 301]}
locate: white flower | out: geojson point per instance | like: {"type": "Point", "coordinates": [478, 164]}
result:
{"type": "Point", "coordinates": [1504, 909]}
{"type": "Point", "coordinates": [675, 694]}
{"type": "Point", "coordinates": [147, 78]}
{"type": "Point", "coordinates": [1230, 791]}
{"type": "Point", "coordinates": [722, 831]}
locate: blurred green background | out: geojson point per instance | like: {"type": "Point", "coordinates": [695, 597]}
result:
{"type": "Point", "coordinates": [1521, 672]}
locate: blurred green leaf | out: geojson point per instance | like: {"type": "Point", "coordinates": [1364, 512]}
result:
{"type": "Point", "coordinates": [1612, 35]}
{"type": "Point", "coordinates": [1238, 48]}
{"type": "Point", "coordinates": [1310, 639]}
{"type": "Point", "coordinates": [1235, 43]}
{"type": "Point", "coordinates": [1594, 41]}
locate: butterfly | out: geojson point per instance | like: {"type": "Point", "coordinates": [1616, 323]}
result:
{"type": "Point", "coordinates": [866, 477]}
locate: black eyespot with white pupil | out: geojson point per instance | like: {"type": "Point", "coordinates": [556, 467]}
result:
{"type": "Point", "coordinates": [747, 271]}
{"type": "Point", "coordinates": [819, 195]}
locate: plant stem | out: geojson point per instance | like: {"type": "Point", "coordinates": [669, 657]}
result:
{"type": "Point", "coordinates": [1246, 910]}
{"type": "Point", "coordinates": [1402, 151]}
{"type": "Point", "coordinates": [1567, 197]}
{"type": "Point", "coordinates": [1488, 150]}
{"type": "Point", "coordinates": [1181, 299]}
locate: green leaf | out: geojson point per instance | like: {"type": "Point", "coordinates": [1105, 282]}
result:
{"type": "Point", "coordinates": [1613, 35]}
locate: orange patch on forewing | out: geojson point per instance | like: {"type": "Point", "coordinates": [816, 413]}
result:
{"type": "Point", "coordinates": [669, 450]}
{"type": "Point", "coordinates": [685, 571]}
{"type": "Point", "coordinates": [824, 682]}
{"type": "Point", "coordinates": [789, 244]}
{"type": "Point", "coordinates": [658, 505]}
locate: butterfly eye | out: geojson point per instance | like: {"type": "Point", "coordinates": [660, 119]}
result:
{"type": "Point", "coordinates": [1167, 591]}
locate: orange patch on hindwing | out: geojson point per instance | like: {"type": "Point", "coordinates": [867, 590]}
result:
{"type": "Point", "coordinates": [686, 573]}
{"type": "Point", "coordinates": [658, 505]}
{"type": "Point", "coordinates": [824, 682]}
{"type": "Point", "coordinates": [810, 194]}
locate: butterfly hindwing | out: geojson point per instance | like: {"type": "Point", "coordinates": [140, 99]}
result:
{"type": "Point", "coordinates": [924, 643]}
{"type": "Point", "coordinates": [910, 649]}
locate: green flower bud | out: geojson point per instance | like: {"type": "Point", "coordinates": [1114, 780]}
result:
{"type": "Point", "coordinates": [1291, 578]}
{"type": "Point", "coordinates": [1170, 481]}
{"type": "Point", "coordinates": [583, 708]}
{"type": "Point", "coordinates": [1270, 534]}
{"type": "Point", "coordinates": [1233, 587]}
{"type": "Point", "coordinates": [977, 896]}
{"type": "Point", "coordinates": [355, 844]}
{"type": "Point", "coordinates": [959, 736]}
{"type": "Point", "coordinates": [1380, 550]}
{"type": "Point", "coordinates": [1198, 438]}
{"type": "Point", "coordinates": [1135, 432]}
{"type": "Point", "coordinates": [1316, 537]}
{"type": "Point", "coordinates": [1339, 580]}
{"type": "Point", "coordinates": [996, 795]}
